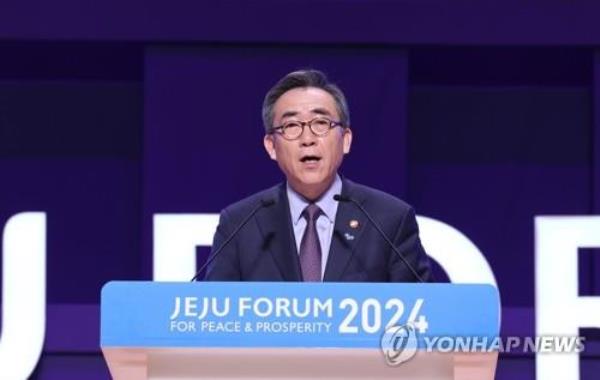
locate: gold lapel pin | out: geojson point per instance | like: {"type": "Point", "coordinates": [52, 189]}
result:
{"type": "Point", "coordinates": [353, 223]}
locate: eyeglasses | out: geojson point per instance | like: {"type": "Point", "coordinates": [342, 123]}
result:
{"type": "Point", "coordinates": [293, 129]}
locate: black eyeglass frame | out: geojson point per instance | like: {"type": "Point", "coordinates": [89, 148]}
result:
{"type": "Point", "coordinates": [281, 129]}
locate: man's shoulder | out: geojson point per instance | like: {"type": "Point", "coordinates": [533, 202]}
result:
{"type": "Point", "coordinates": [246, 205]}
{"type": "Point", "coordinates": [376, 199]}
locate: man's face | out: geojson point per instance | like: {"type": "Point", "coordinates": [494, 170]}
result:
{"type": "Point", "coordinates": [309, 162]}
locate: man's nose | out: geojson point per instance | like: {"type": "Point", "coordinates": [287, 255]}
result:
{"type": "Point", "coordinates": [307, 138]}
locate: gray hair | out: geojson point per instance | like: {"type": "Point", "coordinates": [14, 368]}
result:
{"type": "Point", "coordinates": [300, 79]}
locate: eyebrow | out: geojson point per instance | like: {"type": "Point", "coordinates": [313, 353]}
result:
{"type": "Point", "coordinates": [321, 111]}
{"type": "Point", "coordinates": [289, 114]}
{"type": "Point", "coordinates": [318, 111]}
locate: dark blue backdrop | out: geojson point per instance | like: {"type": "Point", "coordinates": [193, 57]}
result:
{"type": "Point", "coordinates": [479, 115]}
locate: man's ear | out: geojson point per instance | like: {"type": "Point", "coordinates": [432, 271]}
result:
{"type": "Point", "coordinates": [347, 140]}
{"type": "Point", "coordinates": [269, 143]}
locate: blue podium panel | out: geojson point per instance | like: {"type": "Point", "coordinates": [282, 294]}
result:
{"type": "Point", "coordinates": [276, 314]}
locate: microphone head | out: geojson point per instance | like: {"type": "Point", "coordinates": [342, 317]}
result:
{"type": "Point", "coordinates": [340, 198]}
{"type": "Point", "coordinates": [266, 202]}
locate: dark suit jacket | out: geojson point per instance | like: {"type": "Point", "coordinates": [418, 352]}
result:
{"type": "Point", "coordinates": [265, 249]}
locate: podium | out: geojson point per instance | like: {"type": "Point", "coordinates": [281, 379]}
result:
{"type": "Point", "coordinates": [274, 330]}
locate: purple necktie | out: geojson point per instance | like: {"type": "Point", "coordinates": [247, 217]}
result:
{"type": "Point", "coordinates": [310, 248]}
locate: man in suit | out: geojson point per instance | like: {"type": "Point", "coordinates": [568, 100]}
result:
{"type": "Point", "coordinates": [296, 231]}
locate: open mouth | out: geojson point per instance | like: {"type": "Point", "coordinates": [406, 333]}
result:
{"type": "Point", "coordinates": [310, 159]}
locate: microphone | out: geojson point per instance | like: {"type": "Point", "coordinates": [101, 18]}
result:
{"type": "Point", "coordinates": [262, 204]}
{"type": "Point", "coordinates": [343, 198]}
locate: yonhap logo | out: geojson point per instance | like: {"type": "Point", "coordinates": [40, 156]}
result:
{"type": "Point", "coordinates": [399, 344]}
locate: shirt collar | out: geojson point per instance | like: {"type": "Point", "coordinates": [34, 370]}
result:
{"type": "Point", "coordinates": [326, 202]}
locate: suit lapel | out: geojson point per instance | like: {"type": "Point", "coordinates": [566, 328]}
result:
{"type": "Point", "coordinates": [275, 225]}
{"type": "Point", "coordinates": [347, 231]}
